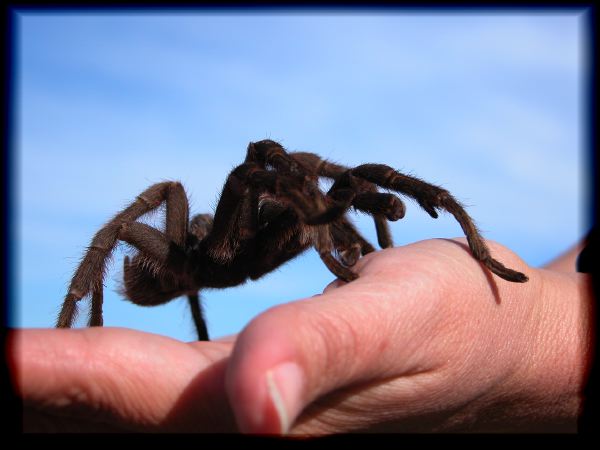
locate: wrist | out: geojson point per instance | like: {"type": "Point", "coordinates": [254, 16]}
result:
{"type": "Point", "coordinates": [545, 392]}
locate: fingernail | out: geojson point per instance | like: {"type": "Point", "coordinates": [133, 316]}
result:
{"type": "Point", "coordinates": [285, 385]}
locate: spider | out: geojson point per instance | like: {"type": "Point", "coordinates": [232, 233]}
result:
{"type": "Point", "coordinates": [271, 209]}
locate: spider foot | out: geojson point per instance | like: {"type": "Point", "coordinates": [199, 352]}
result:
{"type": "Point", "coordinates": [350, 256]}
{"type": "Point", "coordinates": [505, 273]}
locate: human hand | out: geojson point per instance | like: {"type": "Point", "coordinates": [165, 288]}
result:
{"type": "Point", "coordinates": [425, 340]}
{"type": "Point", "coordinates": [116, 379]}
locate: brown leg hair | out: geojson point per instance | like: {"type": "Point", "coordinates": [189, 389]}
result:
{"type": "Point", "coordinates": [90, 273]}
{"type": "Point", "coordinates": [198, 316]}
{"type": "Point", "coordinates": [431, 198]}
{"type": "Point", "coordinates": [312, 209]}
{"type": "Point", "coordinates": [334, 171]}
{"type": "Point", "coordinates": [427, 195]}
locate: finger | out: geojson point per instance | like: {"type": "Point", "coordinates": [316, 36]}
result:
{"type": "Point", "coordinates": [120, 377]}
{"type": "Point", "coordinates": [228, 339]}
{"type": "Point", "coordinates": [292, 354]}
{"type": "Point", "coordinates": [337, 283]}
{"type": "Point", "coordinates": [382, 326]}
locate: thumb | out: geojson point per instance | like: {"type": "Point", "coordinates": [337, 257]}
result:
{"type": "Point", "coordinates": [297, 352]}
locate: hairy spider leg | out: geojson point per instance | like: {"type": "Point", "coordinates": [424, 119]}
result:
{"type": "Point", "coordinates": [304, 190]}
{"type": "Point", "coordinates": [289, 188]}
{"type": "Point", "coordinates": [236, 217]}
{"type": "Point", "coordinates": [278, 237]}
{"type": "Point", "coordinates": [346, 193]}
{"type": "Point", "coordinates": [164, 257]}
{"type": "Point", "coordinates": [308, 207]}
{"type": "Point", "coordinates": [430, 198]}
{"type": "Point", "coordinates": [327, 169]}
{"type": "Point", "coordinates": [95, 319]}
{"type": "Point", "coordinates": [349, 190]}
{"type": "Point", "coordinates": [284, 237]}
{"type": "Point", "coordinates": [349, 243]}
{"type": "Point", "coordinates": [238, 234]}
{"type": "Point", "coordinates": [195, 303]}
{"type": "Point", "coordinates": [270, 153]}
{"type": "Point", "coordinates": [89, 274]}
{"type": "Point", "coordinates": [226, 235]}
{"type": "Point", "coordinates": [200, 226]}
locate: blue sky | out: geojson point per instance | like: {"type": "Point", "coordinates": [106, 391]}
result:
{"type": "Point", "coordinates": [486, 105]}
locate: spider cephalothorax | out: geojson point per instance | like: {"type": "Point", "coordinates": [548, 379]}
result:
{"type": "Point", "coordinates": [271, 209]}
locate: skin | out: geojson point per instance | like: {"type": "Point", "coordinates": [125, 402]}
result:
{"type": "Point", "coordinates": [425, 340]}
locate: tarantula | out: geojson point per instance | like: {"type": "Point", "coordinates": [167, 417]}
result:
{"type": "Point", "coordinates": [271, 209]}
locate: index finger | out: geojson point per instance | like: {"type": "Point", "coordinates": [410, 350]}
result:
{"type": "Point", "coordinates": [123, 377]}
